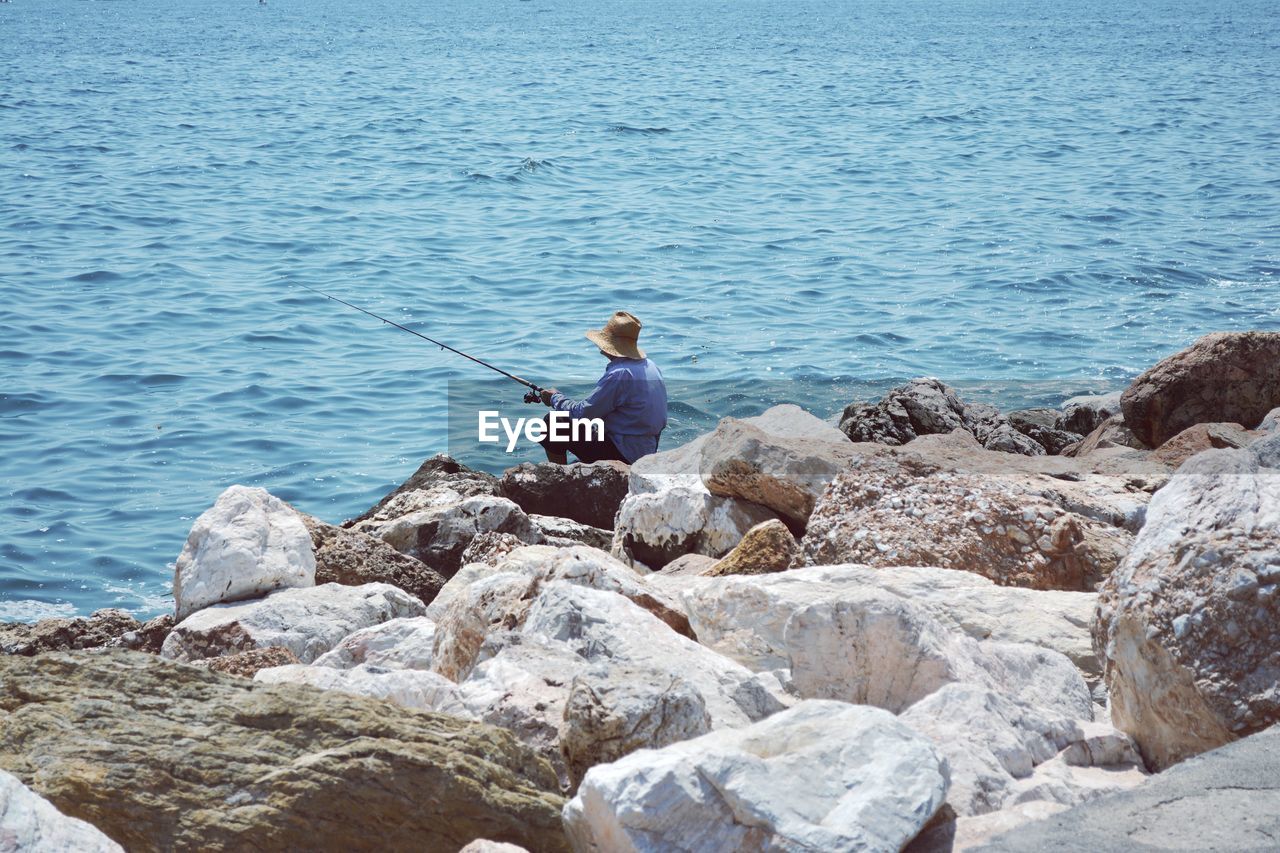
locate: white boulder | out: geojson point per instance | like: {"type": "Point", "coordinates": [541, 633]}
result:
{"type": "Point", "coordinates": [605, 627]}
{"type": "Point", "coordinates": [30, 822]}
{"type": "Point", "coordinates": [726, 613]}
{"type": "Point", "coordinates": [1189, 623]}
{"type": "Point", "coordinates": [247, 544]}
{"type": "Point", "coordinates": [404, 643]}
{"type": "Point", "coordinates": [820, 776]}
{"type": "Point", "coordinates": [412, 688]}
{"type": "Point", "coordinates": [307, 622]}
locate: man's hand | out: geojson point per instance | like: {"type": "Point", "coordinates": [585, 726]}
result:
{"type": "Point", "coordinates": [546, 395]}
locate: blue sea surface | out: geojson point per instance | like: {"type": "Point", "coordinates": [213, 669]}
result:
{"type": "Point", "coordinates": [799, 199]}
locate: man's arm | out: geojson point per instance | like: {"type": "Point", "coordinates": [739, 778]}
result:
{"type": "Point", "coordinates": [601, 401]}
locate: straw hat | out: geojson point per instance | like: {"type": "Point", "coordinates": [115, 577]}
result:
{"type": "Point", "coordinates": [619, 335]}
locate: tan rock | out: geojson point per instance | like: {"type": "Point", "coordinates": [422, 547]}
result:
{"type": "Point", "coordinates": [767, 547]}
{"type": "Point", "coordinates": [353, 558]}
{"type": "Point", "coordinates": [1200, 437]}
{"type": "Point", "coordinates": [1223, 377]}
{"type": "Point", "coordinates": [247, 664]}
{"type": "Point", "coordinates": [161, 756]}
{"type": "Point", "coordinates": [687, 566]}
{"type": "Point", "coordinates": [1110, 433]}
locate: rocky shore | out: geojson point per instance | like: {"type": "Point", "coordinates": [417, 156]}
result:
{"type": "Point", "coordinates": [934, 626]}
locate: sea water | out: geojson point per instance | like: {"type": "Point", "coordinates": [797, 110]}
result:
{"type": "Point", "coordinates": [801, 200]}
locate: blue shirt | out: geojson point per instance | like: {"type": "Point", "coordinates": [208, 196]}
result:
{"type": "Point", "coordinates": [631, 397]}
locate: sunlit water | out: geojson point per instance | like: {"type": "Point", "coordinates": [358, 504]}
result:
{"type": "Point", "coordinates": [794, 197]}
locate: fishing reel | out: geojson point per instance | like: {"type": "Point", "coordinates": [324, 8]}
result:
{"type": "Point", "coordinates": [533, 396]}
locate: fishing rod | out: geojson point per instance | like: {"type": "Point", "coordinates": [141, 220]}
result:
{"type": "Point", "coordinates": [533, 396]}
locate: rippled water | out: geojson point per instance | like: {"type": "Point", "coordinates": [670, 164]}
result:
{"type": "Point", "coordinates": [808, 193]}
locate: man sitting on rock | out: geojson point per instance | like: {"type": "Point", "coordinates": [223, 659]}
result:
{"type": "Point", "coordinates": [631, 399]}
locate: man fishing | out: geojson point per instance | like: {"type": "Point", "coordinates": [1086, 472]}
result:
{"type": "Point", "coordinates": [631, 399]}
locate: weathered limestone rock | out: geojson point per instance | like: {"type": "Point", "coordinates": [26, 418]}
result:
{"type": "Point", "coordinates": [1223, 377]}
{"type": "Point", "coordinates": [440, 472]}
{"type": "Point", "coordinates": [588, 494]}
{"type": "Point", "coordinates": [786, 473]}
{"type": "Point", "coordinates": [767, 547]}
{"type": "Point", "coordinates": [521, 684]}
{"type": "Point", "coordinates": [247, 664]}
{"type": "Point", "coordinates": [565, 533]}
{"type": "Point", "coordinates": [489, 548]}
{"type": "Point", "coordinates": [744, 617]}
{"type": "Point", "coordinates": [244, 546]}
{"type": "Point", "coordinates": [1188, 624]}
{"type": "Point", "coordinates": [496, 598]}
{"type": "Point", "coordinates": [820, 776]}
{"type": "Point", "coordinates": [689, 565]}
{"type": "Point", "coordinates": [1271, 423]}
{"type": "Point", "coordinates": [168, 757]}
{"type": "Point", "coordinates": [897, 508]}
{"type": "Point", "coordinates": [307, 622]}
{"type": "Point", "coordinates": [928, 407]}
{"type": "Point", "coordinates": [104, 628]}
{"type": "Point", "coordinates": [873, 648]}
{"type": "Point", "coordinates": [612, 711]}
{"type": "Point", "coordinates": [602, 626]}
{"type": "Point", "coordinates": [992, 742]}
{"type": "Point", "coordinates": [1227, 799]}
{"type": "Point", "coordinates": [30, 822]}
{"type": "Point", "coordinates": [1200, 437]}
{"type": "Point", "coordinates": [354, 558]}
{"type": "Point", "coordinates": [1110, 433]}
{"type": "Point", "coordinates": [409, 688]}
{"type": "Point", "coordinates": [1082, 415]}
{"type": "Point", "coordinates": [438, 535]}
{"type": "Point", "coordinates": [670, 512]}
{"type": "Point", "coordinates": [399, 644]}
{"type": "Point", "coordinates": [1041, 426]}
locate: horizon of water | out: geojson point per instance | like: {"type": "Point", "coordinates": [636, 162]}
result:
{"type": "Point", "coordinates": [801, 201]}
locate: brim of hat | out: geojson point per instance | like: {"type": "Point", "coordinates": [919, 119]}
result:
{"type": "Point", "coordinates": [615, 346]}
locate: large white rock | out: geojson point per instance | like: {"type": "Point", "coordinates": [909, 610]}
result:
{"type": "Point", "coordinates": [820, 776]}
{"type": "Point", "coordinates": [605, 627]}
{"type": "Point", "coordinates": [1189, 623]}
{"type": "Point", "coordinates": [669, 511]}
{"type": "Point", "coordinates": [29, 822]}
{"type": "Point", "coordinates": [412, 688]}
{"type": "Point", "coordinates": [992, 742]}
{"type": "Point", "coordinates": [724, 612]}
{"type": "Point", "coordinates": [495, 597]}
{"type": "Point", "coordinates": [614, 710]}
{"type": "Point", "coordinates": [244, 546]}
{"type": "Point", "coordinates": [307, 622]}
{"type": "Point", "coordinates": [523, 687]}
{"type": "Point", "coordinates": [399, 644]}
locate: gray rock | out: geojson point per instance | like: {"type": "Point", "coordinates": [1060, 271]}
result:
{"type": "Point", "coordinates": [307, 622]}
{"type": "Point", "coordinates": [1226, 800]}
{"type": "Point", "coordinates": [440, 470]}
{"type": "Point", "coordinates": [929, 407]}
{"type": "Point", "coordinates": [1189, 624]}
{"type": "Point", "coordinates": [1040, 425]}
{"type": "Point", "coordinates": [565, 532]}
{"type": "Point", "coordinates": [588, 494]}
{"type": "Point", "coordinates": [1110, 433]}
{"type": "Point", "coordinates": [104, 628]}
{"type": "Point", "coordinates": [1082, 415]}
